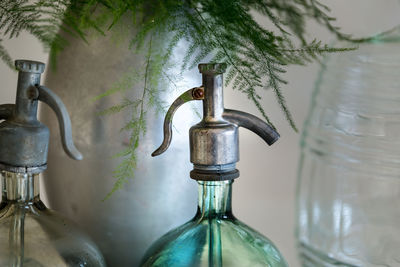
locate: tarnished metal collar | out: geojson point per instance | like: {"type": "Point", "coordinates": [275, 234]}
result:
{"type": "Point", "coordinates": [29, 66]}
{"type": "Point", "coordinates": [215, 68]}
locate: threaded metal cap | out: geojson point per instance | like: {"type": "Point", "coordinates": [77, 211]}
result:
{"type": "Point", "coordinates": [212, 68]}
{"type": "Point", "coordinates": [29, 66]}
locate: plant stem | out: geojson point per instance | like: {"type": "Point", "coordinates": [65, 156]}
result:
{"type": "Point", "coordinates": [231, 61]}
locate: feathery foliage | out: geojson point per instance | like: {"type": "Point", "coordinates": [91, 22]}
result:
{"type": "Point", "coordinates": [153, 80]}
{"type": "Point", "coordinates": [228, 31]}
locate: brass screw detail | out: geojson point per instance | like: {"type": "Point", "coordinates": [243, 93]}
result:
{"type": "Point", "coordinates": [198, 93]}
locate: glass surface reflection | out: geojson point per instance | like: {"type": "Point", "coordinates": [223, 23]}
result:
{"type": "Point", "coordinates": [32, 235]}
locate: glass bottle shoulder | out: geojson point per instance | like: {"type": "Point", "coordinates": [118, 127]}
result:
{"type": "Point", "coordinates": [32, 235]}
{"type": "Point", "coordinates": [213, 241]}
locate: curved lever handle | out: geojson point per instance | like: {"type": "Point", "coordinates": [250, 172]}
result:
{"type": "Point", "coordinates": [51, 99]}
{"type": "Point", "coordinates": [253, 123]}
{"type": "Point", "coordinates": [196, 93]}
{"type": "Point", "coordinates": [6, 111]}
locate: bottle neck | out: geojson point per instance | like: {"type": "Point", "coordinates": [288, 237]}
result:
{"type": "Point", "coordinates": [19, 187]}
{"type": "Point", "coordinates": [215, 198]}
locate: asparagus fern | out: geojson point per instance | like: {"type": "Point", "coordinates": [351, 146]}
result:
{"type": "Point", "coordinates": [223, 30]}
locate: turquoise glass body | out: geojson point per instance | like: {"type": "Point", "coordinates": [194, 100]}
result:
{"type": "Point", "coordinates": [214, 237]}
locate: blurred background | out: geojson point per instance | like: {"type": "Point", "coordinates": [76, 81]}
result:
{"type": "Point", "coordinates": [264, 196]}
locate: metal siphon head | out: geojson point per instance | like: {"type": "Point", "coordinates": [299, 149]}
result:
{"type": "Point", "coordinates": [214, 141]}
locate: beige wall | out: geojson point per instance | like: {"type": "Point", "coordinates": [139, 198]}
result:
{"type": "Point", "coordinates": [264, 196]}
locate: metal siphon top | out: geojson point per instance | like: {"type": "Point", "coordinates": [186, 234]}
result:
{"type": "Point", "coordinates": [23, 139]}
{"type": "Point", "coordinates": [214, 141]}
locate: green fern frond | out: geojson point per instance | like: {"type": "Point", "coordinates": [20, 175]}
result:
{"type": "Point", "coordinates": [154, 71]}
{"type": "Point", "coordinates": [216, 30]}
{"type": "Point", "coordinates": [5, 56]}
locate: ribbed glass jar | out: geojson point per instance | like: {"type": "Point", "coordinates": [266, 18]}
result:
{"type": "Point", "coordinates": [349, 171]}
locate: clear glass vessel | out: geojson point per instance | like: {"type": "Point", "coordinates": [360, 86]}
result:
{"type": "Point", "coordinates": [32, 235]}
{"type": "Point", "coordinates": [349, 172]}
{"type": "Point", "coordinates": [214, 237]}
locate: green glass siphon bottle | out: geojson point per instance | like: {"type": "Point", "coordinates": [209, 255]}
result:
{"type": "Point", "coordinates": [214, 237]}
{"type": "Point", "coordinates": [31, 234]}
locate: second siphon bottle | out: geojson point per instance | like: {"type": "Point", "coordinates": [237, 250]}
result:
{"type": "Point", "coordinates": [214, 237]}
{"type": "Point", "coordinates": [31, 234]}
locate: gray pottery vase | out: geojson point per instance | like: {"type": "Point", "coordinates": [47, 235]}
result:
{"type": "Point", "coordinates": [160, 197]}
